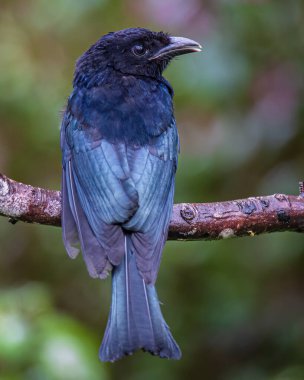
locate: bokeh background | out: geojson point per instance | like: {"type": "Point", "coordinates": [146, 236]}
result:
{"type": "Point", "coordinates": [236, 307]}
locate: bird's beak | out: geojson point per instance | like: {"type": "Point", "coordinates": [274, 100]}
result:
{"type": "Point", "coordinates": [178, 46]}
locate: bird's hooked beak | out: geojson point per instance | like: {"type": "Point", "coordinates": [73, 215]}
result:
{"type": "Point", "coordinates": [178, 46]}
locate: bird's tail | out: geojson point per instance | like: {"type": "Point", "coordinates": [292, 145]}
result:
{"type": "Point", "coordinates": [135, 320]}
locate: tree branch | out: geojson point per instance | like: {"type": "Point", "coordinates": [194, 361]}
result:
{"type": "Point", "coordinates": [190, 221]}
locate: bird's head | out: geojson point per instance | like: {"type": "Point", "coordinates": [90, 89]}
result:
{"type": "Point", "coordinates": [134, 51]}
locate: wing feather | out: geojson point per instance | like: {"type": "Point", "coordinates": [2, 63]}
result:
{"type": "Point", "coordinates": [155, 186]}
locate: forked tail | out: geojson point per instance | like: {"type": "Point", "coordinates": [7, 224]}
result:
{"type": "Point", "coordinates": [135, 320]}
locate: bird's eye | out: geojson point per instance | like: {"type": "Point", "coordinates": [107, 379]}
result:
{"type": "Point", "coordinates": [139, 50]}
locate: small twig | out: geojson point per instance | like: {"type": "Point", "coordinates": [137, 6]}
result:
{"type": "Point", "coordinates": [190, 221]}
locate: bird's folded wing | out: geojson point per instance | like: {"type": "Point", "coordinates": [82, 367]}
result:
{"type": "Point", "coordinates": [98, 196]}
{"type": "Point", "coordinates": [153, 171]}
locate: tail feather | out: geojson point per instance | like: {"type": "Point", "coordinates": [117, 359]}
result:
{"type": "Point", "coordinates": [135, 321]}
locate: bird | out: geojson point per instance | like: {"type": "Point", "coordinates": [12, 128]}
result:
{"type": "Point", "coordinates": [120, 147]}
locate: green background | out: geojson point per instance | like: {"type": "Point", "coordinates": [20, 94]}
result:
{"type": "Point", "coordinates": [236, 307]}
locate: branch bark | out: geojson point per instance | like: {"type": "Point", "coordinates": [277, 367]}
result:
{"type": "Point", "coordinates": [190, 221]}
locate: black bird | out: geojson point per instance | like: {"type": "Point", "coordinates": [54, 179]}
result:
{"type": "Point", "coordinates": [120, 146]}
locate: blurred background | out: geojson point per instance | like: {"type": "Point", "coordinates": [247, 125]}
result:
{"type": "Point", "coordinates": [236, 307]}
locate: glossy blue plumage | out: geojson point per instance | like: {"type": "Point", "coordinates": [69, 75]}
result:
{"type": "Point", "coordinates": [120, 146]}
{"type": "Point", "coordinates": [135, 320]}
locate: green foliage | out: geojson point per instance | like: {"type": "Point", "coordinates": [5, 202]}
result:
{"type": "Point", "coordinates": [236, 306]}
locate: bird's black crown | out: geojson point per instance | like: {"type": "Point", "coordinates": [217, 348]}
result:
{"type": "Point", "coordinates": [134, 51]}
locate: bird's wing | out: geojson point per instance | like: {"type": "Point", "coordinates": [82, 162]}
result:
{"type": "Point", "coordinates": [98, 196]}
{"type": "Point", "coordinates": [153, 171]}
